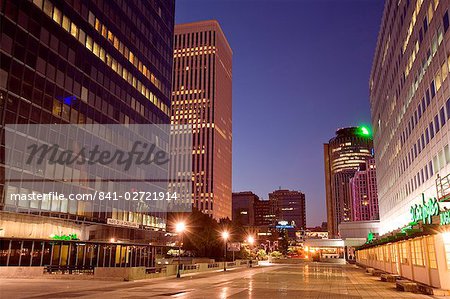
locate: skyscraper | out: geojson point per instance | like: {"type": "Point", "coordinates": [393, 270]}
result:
{"type": "Point", "coordinates": [410, 106]}
{"type": "Point", "coordinates": [342, 155]}
{"type": "Point", "coordinates": [409, 90]}
{"type": "Point", "coordinates": [201, 97]}
{"type": "Point", "coordinates": [86, 63]}
{"type": "Point", "coordinates": [289, 206]}
{"type": "Point", "coordinates": [363, 192]}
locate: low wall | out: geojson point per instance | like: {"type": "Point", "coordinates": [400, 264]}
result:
{"type": "Point", "coordinates": [119, 273]}
{"type": "Point", "coordinates": [21, 272]}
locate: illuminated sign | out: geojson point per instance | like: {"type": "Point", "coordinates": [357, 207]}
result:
{"type": "Point", "coordinates": [370, 237]}
{"type": "Point", "coordinates": [424, 211]}
{"type": "Point", "coordinates": [122, 223]}
{"type": "Point", "coordinates": [64, 237]}
{"type": "Point", "coordinates": [445, 217]}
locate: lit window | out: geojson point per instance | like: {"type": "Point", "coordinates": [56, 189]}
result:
{"type": "Point", "coordinates": [57, 15]}
{"type": "Point", "coordinates": [66, 23]}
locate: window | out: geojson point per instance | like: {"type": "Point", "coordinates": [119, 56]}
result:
{"type": "Point", "coordinates": [442, 116]}
{"type": "Point", "coordinates": [404, 253]}
{"type": "Point", "coordinates": [445, 21]}
{"type": "Point", "coordinates": [431, 252]}
{"type": "Point", "coordinates": [433, 89]}
{"type": "Point", "coordinates": [436, 124]}
{"type": "Point", "coordinates": [430, 166]}
{"type": "Point", "coordinates": [447, 104]}
{"type": "Point", "coordinates": [431, 130]}
{"type": "Point", "coordinates": [417, 252]}
{"type": "Point", "coordinates": [427, 136]}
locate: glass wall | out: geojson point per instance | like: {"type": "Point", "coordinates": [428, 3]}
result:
{"type": "Point", "coordinates": [74, 254]}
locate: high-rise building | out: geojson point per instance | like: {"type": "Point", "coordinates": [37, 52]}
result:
{"type": "Point", "coordinates": [81, 62]}
{"type": "Point", "coordinates": [243, 207]}
{"type": "Point", "coordinates": [289, 206]}
{"type": "Point", "coordinates": [410, 110]}
{"type": "Point", "coordinates": [201, 97]}
{"type": "Point", "coordinates": [363, 191]}
{"type": "Point", "coordinates": [343, 155]}
{"type": "Point", "coordinates": [409, 90]}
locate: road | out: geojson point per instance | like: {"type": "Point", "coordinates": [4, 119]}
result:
{"type": "Point", "coordinates": [309, 280]}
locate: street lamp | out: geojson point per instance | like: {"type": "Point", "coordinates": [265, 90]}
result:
{"type": "Point", "coordinates": [250, 241]}
{"type": "Point", "coordinates": [179, 228]}
{"type": "Point", "coordinates": [225, 236]}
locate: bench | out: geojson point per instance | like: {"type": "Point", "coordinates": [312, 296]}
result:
{"type": "Point", "coordinates": [69, 269]}
{"type": "Point", "coordinates": [377, 272]}
{"type": "Point", "coordinates": [152, 270]}
{"type": "Point", "coordinates": [428, 290]}
{"type": "Point", "coordinates": [389, 277]}
{"type": "Point", "coordinates": [406, 286]}
{"type": "Point", "coordinates": [369, 270]}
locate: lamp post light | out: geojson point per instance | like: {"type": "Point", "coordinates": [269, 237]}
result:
{"type": "Point", "coordinates": [179, 228]}
{"type": "Point", "coordinates": [225, 236]}
{"type": "Point", "coordinates": [250, 241]}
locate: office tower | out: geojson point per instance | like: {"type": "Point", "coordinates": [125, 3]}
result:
{"type": "Point", "coordinates": [201, 97]}
{"type": "Point", "coordinates": [410, 110]}
{"type": "Point", "coordinates": [82, 62]}
{"type": "Point", "coordinates": [342, 155]}
{"type": "Point", "coordinates": [409, 90]}
{"type": "Point", "coordinates": [363, 192]}
{"type": "Point", "coordinates": [289, 206]}
{"type": "Point", "coordinates": [243, 207]}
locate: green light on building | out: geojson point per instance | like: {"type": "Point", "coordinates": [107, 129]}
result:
{"type": "Point", "coordinates": [364, 131]}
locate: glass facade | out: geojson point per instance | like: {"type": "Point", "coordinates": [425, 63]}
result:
{"type": "Point", "coordinates": [82, 62]}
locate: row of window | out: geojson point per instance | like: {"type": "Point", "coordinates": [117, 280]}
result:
{"type": "Point", "coordinates": [88, 42]}
{"type": "Point", "coordinates": [406, 252]}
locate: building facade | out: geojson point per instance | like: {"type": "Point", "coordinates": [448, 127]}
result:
{"type": "Point", "coordinates": [289, 206]}
{"type": "Point", "coordinates": [243, 207]}
{"type": "Point", "coordinates": [81, 62]}
{"type": "Point", "coordinates": [409, 90]}
{"type": "Point", "coordinates": [364, 194]}
{"type": "Point", "coordinates": [263, 212]}
{"type": "Point", "coordinates": [342, 157]}
{"type": "Point", "coordinates": [202, 82]}
{"type": "Point", "coordinates": [411, 130]}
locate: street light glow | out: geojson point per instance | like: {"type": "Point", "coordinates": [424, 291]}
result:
{"type": "Point", "coordinates": [180, 227]}
{"type": "Point", "coordinates": [225, 235]}
{"type": "Point", "coordinates": [250, 239]}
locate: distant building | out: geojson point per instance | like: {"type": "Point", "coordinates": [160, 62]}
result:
{"type": "Point", "coordinates": [289, 206]}
{"type": "Point", "coordinates": [363, 190]}
{"type": "Point", "coordinates": [263, 213]}
{"type": "Point", "coordinates": [202, 78]}
{"type": "Point", "coordinates": [342, 156]}
{"type": "Point", "coordinates": [243, 207]}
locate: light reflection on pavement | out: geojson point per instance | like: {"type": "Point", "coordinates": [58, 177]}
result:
{"type": "Point", "coordinates": [308, 280]}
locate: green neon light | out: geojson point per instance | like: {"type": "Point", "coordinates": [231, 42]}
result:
{"type": "Point", "coordinates": [424, 211]}
{"type": "Point", "coordinates": [65, 237]}
{"type": "Point", "coordinates": [445, 217]}
{"type": "Point", "coordinates": [365, 131]}
{"type": "Point", "coordinates": [370, 237]}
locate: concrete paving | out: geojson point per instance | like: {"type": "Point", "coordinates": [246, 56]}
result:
{"type": "Point", "coordinates": [309, 280]}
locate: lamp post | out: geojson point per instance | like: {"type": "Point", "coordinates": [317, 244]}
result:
{"type": "Point", "coordinates": [179, 228]}
{"type": "Point", "coordinates": [225, 236]}
{"type": "Point", "coordinates": [250, 241]}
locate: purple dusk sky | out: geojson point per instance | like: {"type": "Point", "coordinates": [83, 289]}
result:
{"type": "Point", "coordinates": [300, 71]}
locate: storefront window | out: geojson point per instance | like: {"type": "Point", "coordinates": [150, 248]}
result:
{"type": "Point", "coordinates": [417, 252]}
{"type": "Point", "coordinates": [431, 252]}
{"type": "Point", "coordinates": [404, 253]}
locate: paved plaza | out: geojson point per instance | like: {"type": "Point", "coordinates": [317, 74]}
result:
{"type": "Point", "coordinates": [309, 280]}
